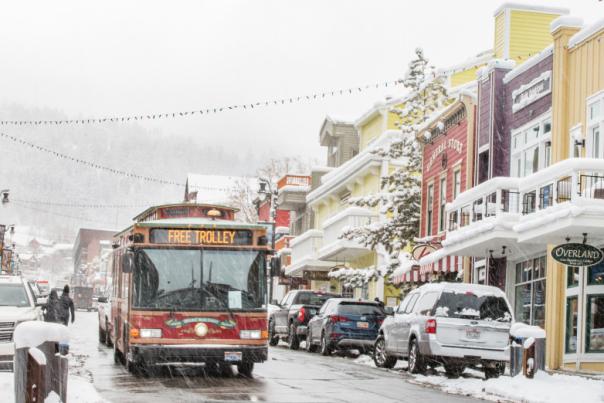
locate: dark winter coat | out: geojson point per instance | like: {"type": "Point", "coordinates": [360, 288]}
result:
{"type": "Point", "coordinates": [52, 308]}
{"type": "Point", "coordinates": [65, 308]}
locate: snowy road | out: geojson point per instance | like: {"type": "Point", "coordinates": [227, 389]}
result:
{"type": "Point", "coordinates": [288, 376]}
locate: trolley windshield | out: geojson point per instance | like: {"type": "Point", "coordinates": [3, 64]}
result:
{"type": "Point", "coordinates": [199, 280]}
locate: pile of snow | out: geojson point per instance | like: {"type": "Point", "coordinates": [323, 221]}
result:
{"type": "Point", "coordinates": [543, 388]}
{"type": "Point", "coordinates": [525, 331]}
{"type": "Point", "coordinates": [34, 333]}
{"type": "Point", "coordinates": [78, 390]}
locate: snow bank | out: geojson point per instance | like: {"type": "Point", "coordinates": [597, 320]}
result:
{"type": "Point", "coordinates": [543, 388]}
{"type": "Point", "coordinates": [34, 333]}
{"type": "Point", "coordinates": [38, 355]}
{"type": "Point", "coordinates": [525, 331]}
{"type": "Point", "coordinates": [52, 398]}
{"type": "Point", "coordinates": [78, 390]}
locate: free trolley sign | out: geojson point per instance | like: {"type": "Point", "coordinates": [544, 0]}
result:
{"type": "Point", "coordinates": [577, 254]}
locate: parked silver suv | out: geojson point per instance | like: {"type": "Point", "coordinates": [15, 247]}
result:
{"type": "Point", "coordinates": [453, 324]}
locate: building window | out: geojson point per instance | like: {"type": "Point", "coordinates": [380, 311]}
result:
{"type": "Point", "coordinates": [456, 183]}
{"type": "Point", "coordinates": [530, 291]}
{"type": "Point", "coordinates": [594, 327]}
{"type": "Point", "coordinates": [441, 205]}
{"type": "Point", "coordinates": [429, 208]}
{"type": "Point", "coordinates": [483, 166]}
{"type": "Point", "coordinates": [531, 147]}
{"type": "Point", "coordinates": [572, 322]}
{"type": "Point", "coordinates": [347, 292]}
{"type": "Point", "coordinates": [595, 125]}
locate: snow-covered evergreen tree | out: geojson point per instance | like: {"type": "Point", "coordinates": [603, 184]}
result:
{"type": "Point", "coordinates": [400, 197]}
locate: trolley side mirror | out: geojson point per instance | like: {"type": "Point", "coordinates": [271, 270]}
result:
{"type": "Point", "coordinates": [275, 266]}
{"type": "Point", "coordinates": [128, 262]}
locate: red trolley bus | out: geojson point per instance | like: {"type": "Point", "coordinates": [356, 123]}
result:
{"type": "Point", "coordinates": [189, 285]}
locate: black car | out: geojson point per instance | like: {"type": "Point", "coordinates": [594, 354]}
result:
{"type": "Point", "coordinates": [295, 310]}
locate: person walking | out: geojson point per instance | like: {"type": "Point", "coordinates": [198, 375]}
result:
{"type": "Point", "coordinates": [66, 307]}
{"type": "Point", "coordinates": [51, 308]}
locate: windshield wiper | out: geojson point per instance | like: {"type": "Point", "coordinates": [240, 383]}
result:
{"type": "Point", "coordinates": [226, 305]}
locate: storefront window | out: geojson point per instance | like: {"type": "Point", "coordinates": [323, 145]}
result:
{"type": "Point", "coordinates": [595, 275]}
{"type": "Point", "coordinates": [530, 291]}
{"type": "Point", "coordinates": [572, 276]}
{"type": "Point", "coordinates": [572, 311]}
{"type": "Point", "coordinates": [595, 324]}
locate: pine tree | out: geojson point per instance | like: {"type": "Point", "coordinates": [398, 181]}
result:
{"type": "Point", "coordinates": [400, 196]}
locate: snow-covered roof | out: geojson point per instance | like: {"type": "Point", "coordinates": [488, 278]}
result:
{"type": "Point", "coordinates": [586, 33]}
{"type": "Point", "coordinates": [330, 182]}
{"type": "Point", "coordinates": [530, 7]}
{"type": "Point", "coordinates": [474, 61]}
{"type": "Point", "coordinates": [565, 21]}
{"type": "Point", "coordinates": [190, 221]}
{"type": "Point", "coordinates": [530, 62]}
{"type": "Point", "coordinates": [216, 188]}
{"type": "Point", "coordinates": [339, 120]}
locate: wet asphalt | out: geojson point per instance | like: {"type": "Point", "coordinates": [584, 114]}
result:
{"type": "Point", "coordinates": [288, 376]}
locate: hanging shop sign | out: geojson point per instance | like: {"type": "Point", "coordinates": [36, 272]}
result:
{"type": "Point", "coordinates": [577, 254]}
{"type": "Point", "coordinates": [315, 275]}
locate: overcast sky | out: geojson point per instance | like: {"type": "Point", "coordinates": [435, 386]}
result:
{"type": "Point", "coordinates": [122, 57]}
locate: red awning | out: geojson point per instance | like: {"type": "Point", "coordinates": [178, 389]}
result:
{"type": "Point", "coordinates": [448, 264]}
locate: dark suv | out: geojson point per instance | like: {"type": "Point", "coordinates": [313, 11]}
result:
{"type": "Point", "coordinates": [345, 324]}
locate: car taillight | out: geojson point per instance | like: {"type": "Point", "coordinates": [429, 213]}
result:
{"type": "Point", "coordinates": [430, 326]}
{"type": "Point", "coordinates": [338, 318]}
{"type": "Point", "coordinates": [301, 314]}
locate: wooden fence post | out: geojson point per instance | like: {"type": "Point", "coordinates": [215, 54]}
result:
{"type": "Point", "coordinates": [36, 382]}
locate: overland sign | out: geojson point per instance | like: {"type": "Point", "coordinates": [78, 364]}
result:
{"type": "Point", "coordinates": [577, 254]}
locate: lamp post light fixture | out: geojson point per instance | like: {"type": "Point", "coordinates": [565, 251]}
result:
{"type": "Point", "coordinates": [266, 190]}
{"type": "Point", "coordinates": [5, 193]}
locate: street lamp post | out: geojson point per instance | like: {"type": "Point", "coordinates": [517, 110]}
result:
{"type": "Point", "coordinates": [266, 189]}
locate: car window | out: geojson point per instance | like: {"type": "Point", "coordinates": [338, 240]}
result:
{"type": "Point", "coordinates": [287, 298]}
{"type": "Point", "coordinates": [471, 306]}
{"type": "Point", "coordinates": [409, 307]}
{"type": "Point", "coordinates": [324, 308]}
{"type": "Point", "coordinates": [309, 298]}
{"type": "Point", "coordinates": [426, 303]}
{"type": "Point", "coordinates": [355, 308]}
{"type": "Point", "coordinates": [13, 295]}
{"type": "Point", "coordinates": [403, 304]}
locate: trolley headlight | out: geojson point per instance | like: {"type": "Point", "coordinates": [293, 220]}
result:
{"type": "Point", "coordinates": [152, 333]}
{"type": "Point", "coordinates": [249, 334]}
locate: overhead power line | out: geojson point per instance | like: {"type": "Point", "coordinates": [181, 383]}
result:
{"type": "Point", "coordinates": [205, 111]}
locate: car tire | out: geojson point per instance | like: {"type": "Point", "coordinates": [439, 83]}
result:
{"type": "Point", "coordinates": [416, 361]}
{"type": "Point", "coordinates": [311, 348]}
{"type": "Point", "coordinates": [273, 339]}
{"type": "Point", "coordinates": [136, 368]}
{"type": "Point", "coordinates": [108, 341]}
{"type": "Point", "coordinates": [325, 347]}
{"type": "Point", "coordinates": [454, 370]}
{"type": "Point", "coordinates": [102, 335]}
{"type": "Point", "coordinates": [380, 357]}
{"type": "Point", "coordinates": [494, 372]}
{"type": "Point", "coordinates": [292, 338]}
{"type": "Point", "coordinates": [245, 369]}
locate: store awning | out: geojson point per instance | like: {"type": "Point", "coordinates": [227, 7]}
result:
{"type": "Point", "coordinates": [440, 263]}
{"type": "Point", "coordinates": [408, 272]}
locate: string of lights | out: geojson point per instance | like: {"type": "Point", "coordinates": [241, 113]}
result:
{"type": "Point", "coordinates": [100, 167]}
{"type": "Point", "coordinates": [205, 111]}
{"type": "Point", "coordinates": [83, 205]}
{"type": "Point", "coordinates": [54, 213]}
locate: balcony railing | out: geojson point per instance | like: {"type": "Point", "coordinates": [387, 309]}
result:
{"type": "Point", "coordinates": [560, 183]}
{"type": "Point", "coordinates": [350, 218]}
{"type": "Point", "coordinates": [293, 180]}
{"type": "Point", "coordinates": [306, 245]}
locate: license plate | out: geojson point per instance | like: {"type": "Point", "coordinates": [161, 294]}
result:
{"type": "Point", "coordinates": [232, 356]}
{"type": "Point", "coordinates": [363, 325]}
{"type": "Point", "coordinates": [313, 311]}
{"type": "Point", "coordinates": [472, 333]}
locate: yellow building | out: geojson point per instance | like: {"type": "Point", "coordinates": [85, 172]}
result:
{"type": "Point", "coordinates": [575, 296]}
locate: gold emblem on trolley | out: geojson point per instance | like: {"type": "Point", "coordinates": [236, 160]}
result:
{"type": "Point", "coordinates": [201, 329]}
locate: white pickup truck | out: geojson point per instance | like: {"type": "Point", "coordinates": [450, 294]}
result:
{"type": "Point", "coordinates": [17, 304]}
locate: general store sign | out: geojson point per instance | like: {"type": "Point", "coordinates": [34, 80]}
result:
{"type": "Point", "coordinates": [577, 254]}
{"type": "Point", "coordinates": [451, 144]}
{"type": "Point", "coordinates": [201, 237]}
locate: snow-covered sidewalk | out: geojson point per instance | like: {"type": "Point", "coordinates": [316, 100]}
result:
{"type": "Point", "coordinates": [544, 388]}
